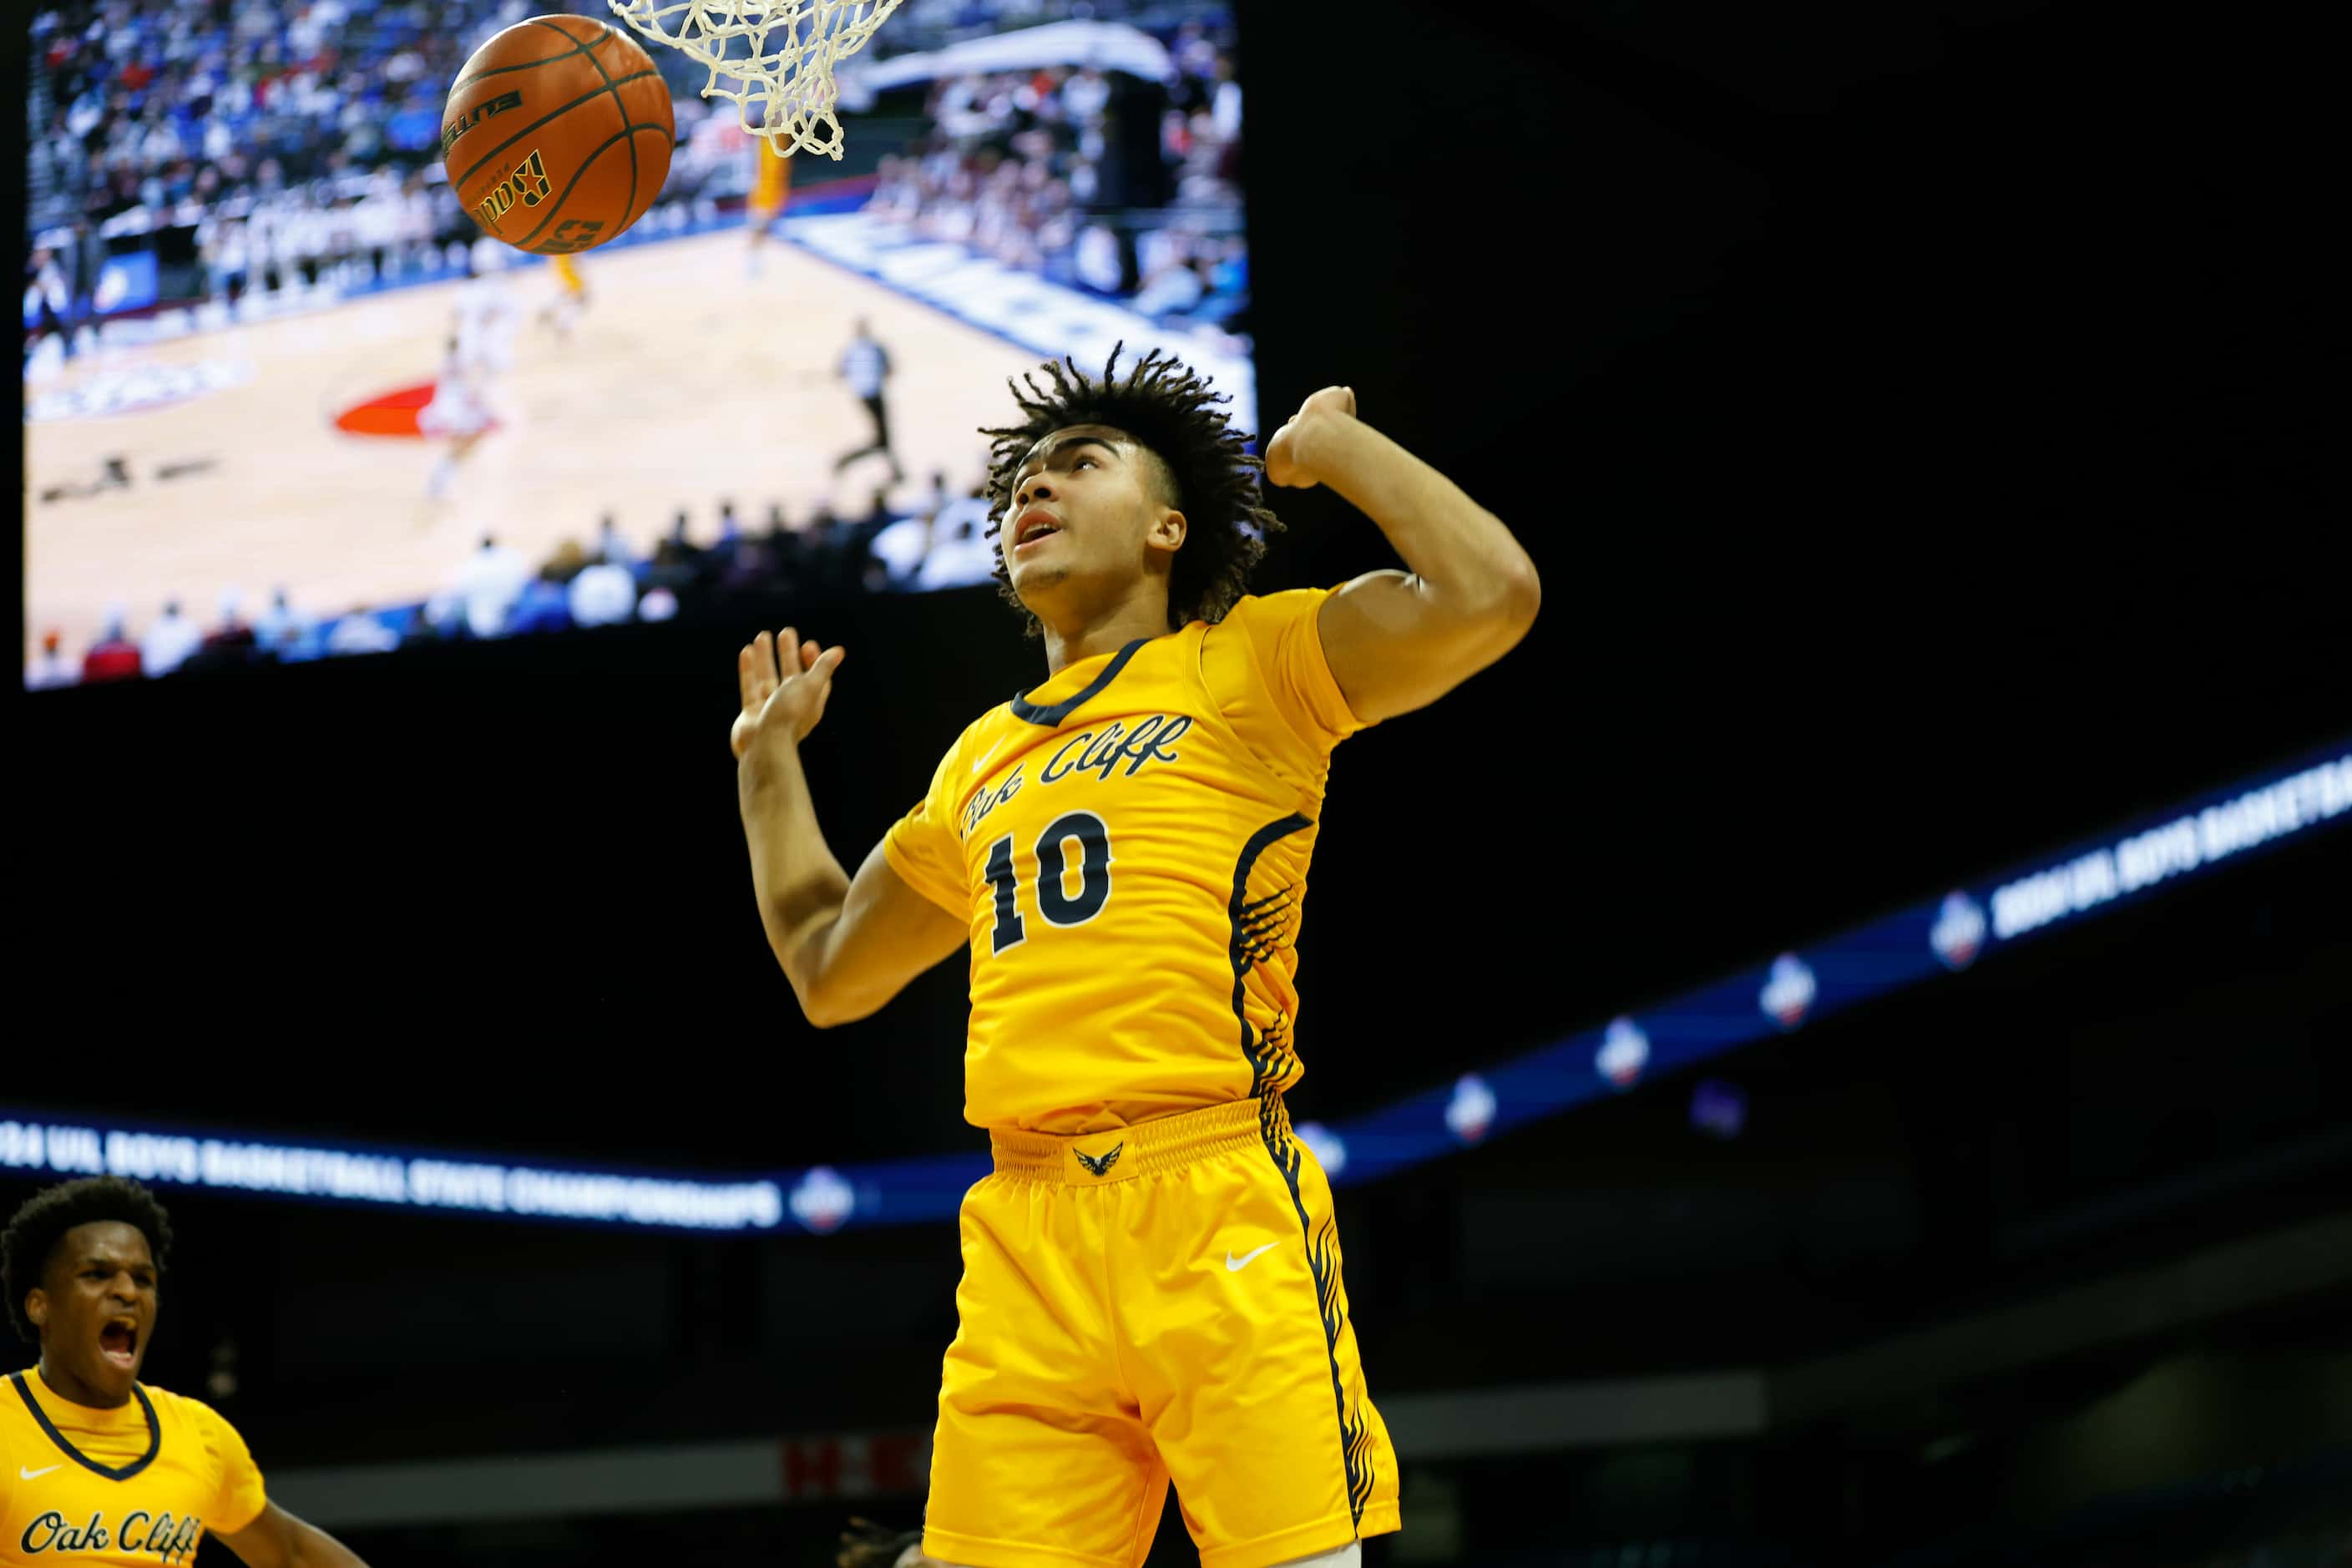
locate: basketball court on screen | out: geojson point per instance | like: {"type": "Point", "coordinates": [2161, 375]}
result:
{"type": "Point", "coordinates": [689, 383]}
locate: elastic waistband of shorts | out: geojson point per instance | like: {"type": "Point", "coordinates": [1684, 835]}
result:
{"type": "Point", "coordinates": [1148, 1148]}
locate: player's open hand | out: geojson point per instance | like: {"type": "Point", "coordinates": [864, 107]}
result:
{"type": "Point", "coordinates": [784, 682]}
{"type": "Point", "coordinates": [1289, 457]}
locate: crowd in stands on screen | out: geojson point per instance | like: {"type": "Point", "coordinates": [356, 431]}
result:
{"type": "Point", "coordinates": [295, 137]}
{"type": "Point", "coordinates": [113, 657]}
{"type": "Point", "coordinates": [299, 144]}
{"type": "Point", "coordinates": [899, 550]}
{"type": "Point", "coordinates": [359, 631]}
{"type": "Point", "coordinates": [1015, 162]}
{"type": "Point", "coordinates": [605, 594]}
{"type": "Point", "coordinates": [489, 585]}
{"type": "Point", "coordinates": [168, 641]}
{"type": "Point", "coordinates": [280, 625]}
{"type": "Point", "coordinates": [496, 591]}
{"type": "Point", "coordinates": [959, 552]}
{"type": "Point", "coordinates": [48, 667]}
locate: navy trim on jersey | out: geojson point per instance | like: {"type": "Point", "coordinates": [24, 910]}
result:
{"type": "Point", "coordinates": [1247, 941]}
{"type": "Point", "coordinates": [154, 1434]}
{"type": "Point", "coordinates": [1050, 717]}
{"type": "Point", "coordinates": [1356, 1472]}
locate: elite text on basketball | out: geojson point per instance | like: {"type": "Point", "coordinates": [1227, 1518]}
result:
{"type": "Point", "coordinates": [475, 115]}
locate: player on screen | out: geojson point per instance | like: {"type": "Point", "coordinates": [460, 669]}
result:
{"type": "Point", "coordinates": [1152, 1287]}
{"type": "Point", "coordinates": [458, 413]}
{"type": "Point", "coordinates": [96, 1467]}
{"type": "Point", "coordinates": [487, 315]}
{"type": "Point", "coordinates": [865, 365]}
{"type": "Point", "coordinates": [563, 312]}
{"type": "Point", "coordinates": [462, 408]}
{"type": "Point", "coordinates": [767, 200]}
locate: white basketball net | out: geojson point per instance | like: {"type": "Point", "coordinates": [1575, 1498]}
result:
{"type": "Point", "coordinates": [782, 73]}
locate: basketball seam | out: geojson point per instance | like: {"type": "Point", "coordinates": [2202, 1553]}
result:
{"type": "Point", "coordinates": [577, 48]}
{"type": "Point", "coordinates": [630, 132]}
{"type": "Point", "coordinates": [615, 88]}
{"type": "Point", "coordinates": [501, 70]}
{"type": "Point", "coordinates": [458, 183]}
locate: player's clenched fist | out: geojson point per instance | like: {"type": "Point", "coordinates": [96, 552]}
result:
{"type": "Point", "coordinates": [784, 682]}
{"type": "Point", "coordinates": [1289, 457]}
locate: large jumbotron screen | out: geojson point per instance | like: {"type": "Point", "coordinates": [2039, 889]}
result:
{"type": "Point", "coordinates": [248, 285]}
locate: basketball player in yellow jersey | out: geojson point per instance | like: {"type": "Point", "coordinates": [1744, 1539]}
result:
{"type": "Point", "coordinates": [1151, 1276]}
{"type": "Point", "coordinates": [766, 199]}
{"type": "Point", "coordinates": [571, 299]}
{"type": "Point", "coordinates": [98, 1470]}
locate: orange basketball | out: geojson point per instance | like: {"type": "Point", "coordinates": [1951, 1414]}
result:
{"type": "Point", "coordinates": [557, 134]}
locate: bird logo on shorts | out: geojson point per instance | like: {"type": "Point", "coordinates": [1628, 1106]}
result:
{"type": "Point", "coordinates": [1098, 1165]}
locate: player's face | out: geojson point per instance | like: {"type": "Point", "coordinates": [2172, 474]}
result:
{"type": "Point", "coordinates": [1083, 518]}
{"type": "Point", "coordinates": [96, 1306]}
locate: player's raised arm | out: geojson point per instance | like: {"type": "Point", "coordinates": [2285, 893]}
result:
{"type": "Point", "coordinates": [1399, 640]}
{"type": "Point", "coordinates": [847, 946]}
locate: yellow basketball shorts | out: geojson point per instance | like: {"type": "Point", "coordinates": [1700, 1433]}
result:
{"type": "Point", "coordinates": [1162, 1302]}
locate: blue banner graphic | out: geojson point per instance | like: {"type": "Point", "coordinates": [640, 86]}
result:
{"type": "Point", "coordinates": [1943, 935]}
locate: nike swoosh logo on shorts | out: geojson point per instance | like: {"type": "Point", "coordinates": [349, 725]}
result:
{"type": "Point", "coordinates": [1238, 1264]}
{"type": "Point", "coordinates": [24, 1475]}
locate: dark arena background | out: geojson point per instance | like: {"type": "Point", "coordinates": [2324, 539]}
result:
{"type": "Point", "coordinates": [1836, 1050]}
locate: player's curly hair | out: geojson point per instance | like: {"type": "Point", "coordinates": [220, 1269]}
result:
{"type": "Point", "coordinates": [37, 1227]}
{"type": "Point", "coordinates": [1168, 409]}
{"type": "Point", "coordinates": [865, 1544]}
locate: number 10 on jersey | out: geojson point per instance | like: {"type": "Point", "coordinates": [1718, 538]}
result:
{"type": "Point", "coordinates": [1048, 863]}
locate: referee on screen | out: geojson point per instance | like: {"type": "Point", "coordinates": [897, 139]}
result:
{"type": "Point", "coordinates": [865, 365]}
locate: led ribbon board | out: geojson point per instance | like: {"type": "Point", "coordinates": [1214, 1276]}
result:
{"type": "Point", "coordinates": [1941, 936]}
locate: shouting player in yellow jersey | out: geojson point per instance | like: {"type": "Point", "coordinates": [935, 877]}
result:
{"type": "Point", "coordinates": [1152, 1286]}
{"type": "Point", "coordinates": [96, 1468]}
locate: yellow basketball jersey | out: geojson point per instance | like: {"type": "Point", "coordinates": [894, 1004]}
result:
{"type": "Point", "coordinates": [775, 178]}
{"type": "Point", "coordinates": [1129, 844]}
{"type": "Point", "coordinates": [137, 1485]}
{"type": "Point", "coordinates": [569, 275]}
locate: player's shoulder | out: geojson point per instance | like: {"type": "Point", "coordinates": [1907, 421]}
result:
{"type": "Point", "coordinates": [984, 733]}
{"type": "Point", "coordinates": [977, 736]}
{"type": "Point", "coordinates": [185, 1407]}
{"type": "Point", "coordinates": [1262, 619]}
{"type": "Point", "coordinates": [1258, 612]}
{"type": "Point", "coordinates": [167, 1399]}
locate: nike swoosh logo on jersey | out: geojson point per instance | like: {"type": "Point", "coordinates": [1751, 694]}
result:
{"type": "Point", "coordinates": [1246, 1259]}
{"type": "Point", "coordinates": [24, 1475]}
{"type": "Point", "coordinates": [984, 756]}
